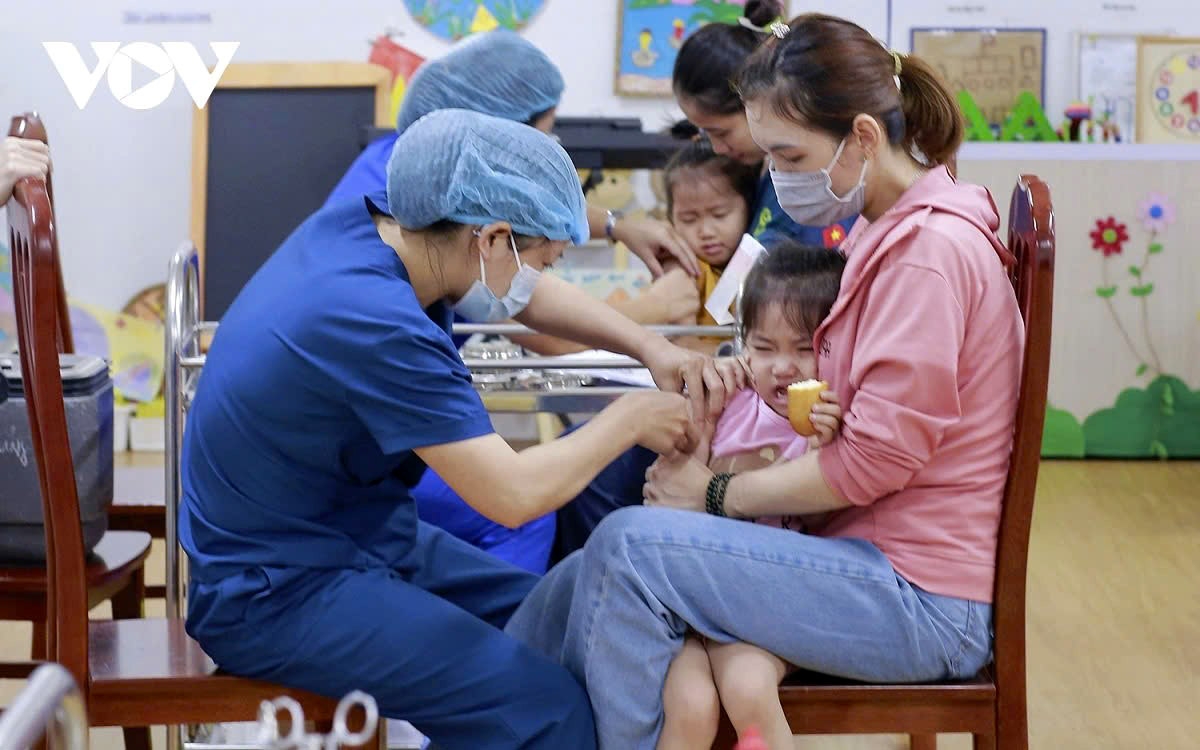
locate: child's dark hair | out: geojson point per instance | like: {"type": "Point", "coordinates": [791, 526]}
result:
{"type": "Point", "coordinates": [708, 61]}
{"type": "Point", "coordinates": [827, 70]}
{"type": "Point", "coordinates": [697, 154]}
{"type": "Point", "coordinates": [802, 279]}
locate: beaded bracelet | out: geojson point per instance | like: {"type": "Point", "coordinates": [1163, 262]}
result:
{"type": "Point", "coordinates": [714, 497]}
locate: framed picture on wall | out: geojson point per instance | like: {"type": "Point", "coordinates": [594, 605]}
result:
{"type": "Point", "coordinates": [650, 33]}
{"type": "Point", "coordinates": [1168, 89]}
{"type": "Point", "coordinates": [1107, 68]}
{"type": "Point", "coordinates": [993, 65]}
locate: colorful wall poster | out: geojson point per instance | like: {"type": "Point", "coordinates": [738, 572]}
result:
{"type": "Point", "coordinates": [995, 66]}
{"type": "Point", "coordinates": [133, 346]}
{"type": "Point", "coordinates": [8, 314]}
{"type": "Point", "coordinates": [454, 19]}
{"type": "Point", "coordinates": [650, 33]}
{"type": "Point", "coordinates": [1108, 79]}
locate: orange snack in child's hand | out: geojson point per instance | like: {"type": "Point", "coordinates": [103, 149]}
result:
{"type": "Point", "coordinates": [801, 397]}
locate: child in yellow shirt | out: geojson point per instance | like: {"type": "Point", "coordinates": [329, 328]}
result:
{"type": "Point", "coordinates": [708, 202]}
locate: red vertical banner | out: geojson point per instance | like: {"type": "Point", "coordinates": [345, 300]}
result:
{"type": "Point", "coordinates": [402, 61]}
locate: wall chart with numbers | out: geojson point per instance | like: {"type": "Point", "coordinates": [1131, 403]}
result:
{"type": "Point", "coordinates": [1168, 90]}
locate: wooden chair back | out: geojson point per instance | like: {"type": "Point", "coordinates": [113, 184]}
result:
{"type": "Point", "coordinates": [1031, 240]}
{"type": "Point", "coordinates": [36, 296]}
{"type": "Point", "coordinates": [29, 125]}
{"type": "Point", "coordinates": [992, 705]}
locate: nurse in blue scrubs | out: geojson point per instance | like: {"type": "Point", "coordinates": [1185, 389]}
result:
{"type": "Point", "coordinates": [330, 386]}
{"type": "Point", "coordinates": [502, 74]}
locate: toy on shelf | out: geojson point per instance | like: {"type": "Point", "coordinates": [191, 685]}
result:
{"type": "Point", "coordinates": [1027, 122]}
{"type": "Point", "coordinates": [1076, 114]}
{"type": "Point", "coordinates": [1082, 126]}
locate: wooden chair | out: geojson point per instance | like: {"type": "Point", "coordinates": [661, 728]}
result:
{"type": "Point", "coordinates": [30, 126]}
{"type": "Point", "coordinates": [991, 706]}
{"type": "Point", "coordinates": [132, 673]}
{"type": "Point", "coordinates": [115, 569]}
{"type": "Point", "coordinates": [123, 515]}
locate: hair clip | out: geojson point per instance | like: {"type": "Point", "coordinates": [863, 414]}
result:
{"type": "Point", "coordinates": [778, 27]}
{"type": "Point", "coordinates": [896, 57]}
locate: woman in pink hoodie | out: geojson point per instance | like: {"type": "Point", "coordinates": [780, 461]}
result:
{"type": "Point", "coordinates": [923, 347]}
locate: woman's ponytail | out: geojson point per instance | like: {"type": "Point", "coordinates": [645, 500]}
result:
{"type": "Point", "coordinates": [933, 122]}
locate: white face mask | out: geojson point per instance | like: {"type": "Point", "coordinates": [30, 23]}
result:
{"type": "Point", "coordinates": [808, 197]}
{"type": "Point", "coordinates": [481, 305]}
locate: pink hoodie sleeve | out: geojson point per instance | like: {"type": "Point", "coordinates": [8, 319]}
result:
{"type": "Point", "coordinates": [905, 374]}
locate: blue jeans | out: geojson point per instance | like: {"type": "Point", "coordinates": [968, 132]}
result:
{"type": "Point", "coordinates": [616, 613]}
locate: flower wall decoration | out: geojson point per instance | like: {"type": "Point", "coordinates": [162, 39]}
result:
{"type": "Point", "coordinates": [1156, 213]}
{"type": "Point", "coordinates": [1109, 237]}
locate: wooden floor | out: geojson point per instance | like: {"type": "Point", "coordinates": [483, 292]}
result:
{"type": "Point", "coordinates": [1114, 613]}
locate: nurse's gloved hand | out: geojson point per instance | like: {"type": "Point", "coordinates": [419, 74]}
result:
{"type": "Point", "coordinates": [672, 365]}
{"type": "Point", "coordinates": [21, 157]}
{"type": "Point", "coordinates": [660, 420]}
{"type": "Point", "coordinates": [711, 382]}
{"type": "Point", "coordinates": [655, 241]}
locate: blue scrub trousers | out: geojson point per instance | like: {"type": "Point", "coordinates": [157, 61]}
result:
{"type": "Point", "coordinates": [527, 547]}
{"type": "Point", "coordinates": [618, 486]}
{"type": "Point", "coordinates": [424, 639]}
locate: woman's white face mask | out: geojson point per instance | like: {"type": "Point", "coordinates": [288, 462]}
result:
{"type": "Point", "coordinates": [808, 197]}
{"type": "Point", "coordinates": [481, 305]}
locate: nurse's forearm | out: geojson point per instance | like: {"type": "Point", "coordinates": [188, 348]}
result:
{"type": "Point", "coordinates": [561, 309]}
{"type": "Point", "coordinates": [597, 222]}
{"type": "Point", "coordinates": [514, 488]}
{"type": "Point", "coordinates": [795, 487]}
{"type": "Point", "coordinates": [554, 473]}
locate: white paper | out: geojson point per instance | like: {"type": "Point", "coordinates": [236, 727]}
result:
{"type": "Point", "coordinates": [638, 376]}
{"type": "Point", "coordinates": [1108, 77]}
{"type": "Point", "coordinates": [730, 283]}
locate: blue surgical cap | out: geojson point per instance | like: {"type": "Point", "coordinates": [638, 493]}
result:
{"type": "Point", "coordinates": [475, 169]}
{"type": "Point", "coordinates": [497, 73]}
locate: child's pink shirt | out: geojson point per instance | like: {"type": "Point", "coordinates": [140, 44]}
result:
{"type": "Point", "coordinates": [751, 435]}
